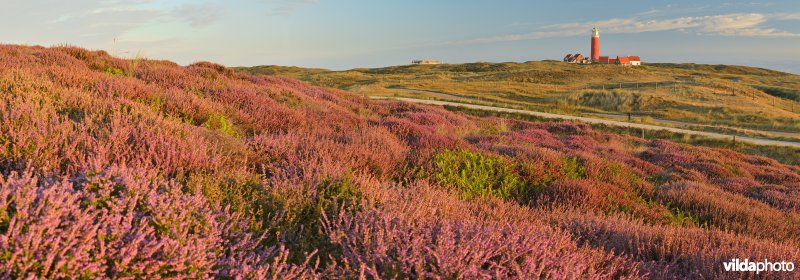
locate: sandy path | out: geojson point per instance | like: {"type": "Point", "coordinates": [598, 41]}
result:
{"type": "Point", "coordinates": [746, 139]}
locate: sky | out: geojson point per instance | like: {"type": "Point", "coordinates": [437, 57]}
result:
{"type": "Point", "coordinates": [345, 34]}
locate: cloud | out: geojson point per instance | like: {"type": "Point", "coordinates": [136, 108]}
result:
{"type": "Point", "coordinates": [62, 21]}
{"type": "Point", "coordinates": [787, 16]}
{"type": "Point", "coordinates": [198, 15]}
{"type": "Point", "coordinates": [280, 7]}
{"type": "Point", "coordinates": [650, 12]}
{"type": "Point", "coordinates": [741, 24]}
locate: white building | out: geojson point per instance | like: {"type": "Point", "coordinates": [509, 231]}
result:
{"type": "Point", "coordinates": [425, 62]}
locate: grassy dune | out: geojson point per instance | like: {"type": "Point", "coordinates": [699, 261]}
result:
{"type": "Point", "coordinates": [718, 95]}
{"type": "Point", "coordinates": [117, 168]}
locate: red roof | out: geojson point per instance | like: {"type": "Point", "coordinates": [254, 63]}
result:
{"type": "Point", "coordinates": [634, 58]}
{"type": "Point", "coordinates": [604, 59]}
{"type": "Point", "coordinates": [612, 61]}
{"type": "Point", "coordinates": [623, 60]}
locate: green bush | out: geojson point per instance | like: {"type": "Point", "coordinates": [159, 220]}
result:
{"type": "Point", "coordinates": [780, 92]}
{"type": "Point", "coordinates": [572, 168]}
{"type": "Point", "coordinates": [301, 225]}
{"type": "Point", "coordinates": [218, 122]}
{"type": "Point", "coordinates": [113, 71]}
{"type": "Point", "coordinates": [293, 218]}
{"type": "Point", "coordinates": [475, 175]}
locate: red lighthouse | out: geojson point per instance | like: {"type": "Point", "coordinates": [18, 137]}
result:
{"type": "Point", "coordinates": [595, 44]}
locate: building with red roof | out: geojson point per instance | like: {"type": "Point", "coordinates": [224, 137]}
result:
{"type": "Point", "coordinates": [633, 60]}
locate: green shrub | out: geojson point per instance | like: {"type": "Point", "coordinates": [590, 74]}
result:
{"type": "Point", "coordinates": [218, 122]}
{"type": "Point", "coordinates": [113, 71]}
{"type": "Point", "coordinates": [475, 175]}
{"type": "Point", "coordinates": [572, 168]}
{"type": "Point", "coordinates": [780, 92]}
{"type": "Point", "coordinates": [301, 225]}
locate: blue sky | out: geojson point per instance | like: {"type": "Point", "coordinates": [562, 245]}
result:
{"type": "Point", "coordinates": [343, 34]}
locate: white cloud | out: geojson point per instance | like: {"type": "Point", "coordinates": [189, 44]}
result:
{"type": "Point", "coordinates": [751, 25]}
{"type": "Point", "coordinates": [198, 15]}
{"type": "Point", "coordinates": [279, 7]}
{"type": "Point", "coordinates": [787, 16]}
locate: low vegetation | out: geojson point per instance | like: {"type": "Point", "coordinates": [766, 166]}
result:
{"type": "Point", "coordinates": [198, 171]}
{"type": "Point", "coordinates": [716, 95]}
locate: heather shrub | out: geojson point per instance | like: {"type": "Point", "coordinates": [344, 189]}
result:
{"type": "Point", "coordinates": [404, 235]}
{"type": "Point", "coordinates": [732, 212]}
{"type": "Point", "coordinates": [299, 223]}
{"type": "Point", "coordinates": [475, 175]}
{"type": "Point", "coordinates": [164, 171]}
{"type": "Point", "coordinates": [121, 223]}
{"type": "Point", "coordinates": [579, 194]}
{"type": "Point", "coordinates": [785, 197]}
{"type": "Point", "coordinates": [668, 252]}
{"type": "Point", "coordinates": [242, 192]}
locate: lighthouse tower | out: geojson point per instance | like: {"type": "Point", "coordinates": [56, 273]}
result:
{"type": "Point", "coordinates": [595, 44]}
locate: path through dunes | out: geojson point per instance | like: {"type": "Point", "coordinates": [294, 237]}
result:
{"type": "Point", "coordinates": [746, 139]}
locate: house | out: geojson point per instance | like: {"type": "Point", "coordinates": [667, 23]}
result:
{"type": "Point", "coordinates": [623, 60]}
{"type": "Point", "coordinates": [635, 60]}
{"type": "Point", "coordinates": [574, 58]}
{"type": "Point", "coordinates": [425, 62]}
{"type": "Point", "coordinates": [629, 61]}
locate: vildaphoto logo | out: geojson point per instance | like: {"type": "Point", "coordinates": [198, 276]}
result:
{"type": "Point", "coordinates": [757, 267]}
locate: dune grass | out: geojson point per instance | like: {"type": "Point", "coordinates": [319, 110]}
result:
{"type": "Point", "coordinates": [734, 96]}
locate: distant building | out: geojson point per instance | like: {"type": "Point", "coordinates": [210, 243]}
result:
{"type": "Point", "coordinates": [621, 60]}
{"type": "Point", "coordinates": [596, 58]}
{"type": "Point", "coordinates": [575, 58]}
{"type": "Point", "coordinates": [425, 62]}
{"type": "Point", "coordinates": [595, 44]}
{"type": "Point", "coordinates": [635, 60]}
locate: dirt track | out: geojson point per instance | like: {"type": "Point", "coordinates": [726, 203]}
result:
{"type": "Point", "coordinates": [745, 139]}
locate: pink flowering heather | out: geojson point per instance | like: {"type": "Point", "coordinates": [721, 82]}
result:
{"type": "Point", "coordinates": [113, 168]}
{"type": "Point", "coordinates": [124, 223]}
